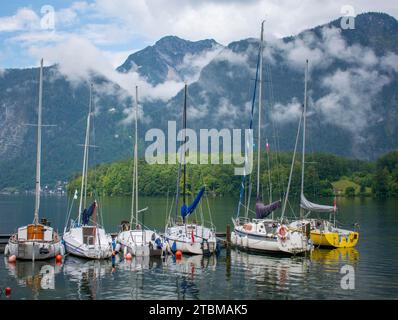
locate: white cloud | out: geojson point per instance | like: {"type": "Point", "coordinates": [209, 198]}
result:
{"type": "Point", "coordinates": [287, 113]}
{"type": "Point", "coordinates": [351, 93]}
{"type": "Point", "coordinates": [226, 21]}
{"type": "Point", "coordinates": [116, 58]}
{"type": "Point", "coordinates": [390, 62]}
{"type": "Point", "coordinates": [25, 18]}
{"type": "Point", "coordinates": [78, 67]}
{"type": "Point", "coordinates": [194, 63]}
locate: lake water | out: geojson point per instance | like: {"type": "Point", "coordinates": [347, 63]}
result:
{"type": "Point", "coordinates": [231, 275]}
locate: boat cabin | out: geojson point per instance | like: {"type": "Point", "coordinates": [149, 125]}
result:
{"type": "Point", "coordinates": [89, 233]}
{"type": "Point", "coordinates": [35, 232]}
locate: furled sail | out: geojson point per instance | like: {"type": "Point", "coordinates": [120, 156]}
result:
{"type": "Point", "coordinates": [307, 205]}
{"type": "Point", "coordinates": [87, 213]}
{"type": "Point", "coordinates": [263, 210]}
{"type": "Point", "coordinates": [187, 210]}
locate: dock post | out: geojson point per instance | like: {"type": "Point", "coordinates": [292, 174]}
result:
{"type": "Point", "coordinates": [228, 236]}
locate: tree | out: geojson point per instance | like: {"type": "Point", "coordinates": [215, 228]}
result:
{"type": "Point", "coordinates": [350, 192]}
{"type": "Point", "coordinates": [381, 182]}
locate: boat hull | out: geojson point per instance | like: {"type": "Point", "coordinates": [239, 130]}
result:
{"type": "Point", "coordinates": [75, 244]}
{"type": "Point", "coordinates": [334, 239]}
{"type": "Point", "coordinates": [191, 239]}
{"type": "Point", "coordinates": [140, 243]}
{"type": "Point", "coordinates": [253, 237]}
{"type": "Point", "coordinates": [195, 248]}
{"type": "Point", "coordinates": [324, 234]}
{"type": "Point", "coordinates": [34, 250]}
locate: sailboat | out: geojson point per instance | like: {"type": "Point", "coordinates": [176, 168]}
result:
{"type": "Point", "coordinates": [263, 234]}
{"type": "Point", "coordinates": [82, 238]}
{"type": "Point", "coordinates": [138, 241]}
{"type": "Point", "coordinates": [191, 238]}
{"type": "Point", "coordinates": [36, 241]}
{"type": "Point", "coordinates": [323, 232]}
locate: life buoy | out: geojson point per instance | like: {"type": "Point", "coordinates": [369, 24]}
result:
{"type": "Point", "coordinates": [282, 233]}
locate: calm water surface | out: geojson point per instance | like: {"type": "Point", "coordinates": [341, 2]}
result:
{"type": "Point", "coordinates": [231, 275]}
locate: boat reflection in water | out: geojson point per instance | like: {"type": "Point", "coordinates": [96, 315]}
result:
{"type": "Point", "coordinates": [190, 274]}
{"type": "Point", "coordinates": [335, 256]}
{"type": "Point", "coordinates": [189, 265]}
{"type": "Point", "coordinates": [278, 272]}
{"type": "Point", "coordinates": [38, 275]}
{"type": "Point", "coordinates": [87, 274]}
{"type": "Point", "coordinates": [138, 263]}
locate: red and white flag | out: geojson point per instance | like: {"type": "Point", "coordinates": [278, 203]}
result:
{"type": "Point", "coordinates": [192, 237]}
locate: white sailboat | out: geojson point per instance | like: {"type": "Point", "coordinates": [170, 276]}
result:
{"type": "Point", "coordinates": [138, 241]}
{"type": "Point", "coordinates": [191, 238]}
{"type": "Point", "coordinates": [82, 238]}
{"type": "Point", "coordinates": [36, 241]}
{"type": "Point", "coordinates": [263, 234]}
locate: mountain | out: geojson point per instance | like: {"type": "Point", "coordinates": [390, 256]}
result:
{"type": "Point", "coordinates": [353, 100]}
{"type": "Point", "coordinates": [165, 60]}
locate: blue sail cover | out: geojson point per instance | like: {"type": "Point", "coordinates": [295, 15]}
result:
{"type": "Point", "coordinates": [187, 210]}
{"type": "Point", "coordinates": [87, 213]}
{"type": "Point", "coordinates": [263, 210]}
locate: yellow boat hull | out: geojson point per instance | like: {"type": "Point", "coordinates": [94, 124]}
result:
{"type": "Point", "coordinates": [333, 239]}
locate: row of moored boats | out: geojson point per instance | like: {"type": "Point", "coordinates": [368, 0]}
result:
{"type": "Point", "coordinates": [85, 236]}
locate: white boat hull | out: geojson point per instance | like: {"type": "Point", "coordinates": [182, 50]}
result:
{"type": "Point", "coordinates": [34, 242]}
{"type": "Point", "coordinates": [180, 238]}
{"type": "Point", "coordinates": [140, 243]}
{"type": "Point", "coordinates": [256, 239]}
{"type": "Point", "coordinates": [34, 250]}
{"type": "Point", "coordinates": [75, 244]}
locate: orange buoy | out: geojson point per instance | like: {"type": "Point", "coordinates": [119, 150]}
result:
{"type": "Point", "coordinates": [58, 258]}
{"type": "Point", "coordinates": [12, 259]}
{"type": "Point", "coordinates": [128, 256]}
{"type": "Point", "coordinates": [178, 254]}
{"type": "Point", "coordinates": [7, 291]}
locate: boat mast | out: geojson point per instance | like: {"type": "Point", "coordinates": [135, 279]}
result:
{"type": "Point", "coordinates": [83, 190]}
{"type": "Point", "coordinates": [304, 128]}
{"type": "Point", "coordinates": [88, 148]}
{"type": "Point", "coordinates": [181, 155]}
{"type": "Point", "coordinates": [38, 154]}
{"type": "Point", "coordinates": [185, 141]}
{"type": "Point", "coordinates": [259, 110]}
{"type": "Point", "coordinates": [136, 154]}
{"type": "Point", "coordinates": [291, 169]}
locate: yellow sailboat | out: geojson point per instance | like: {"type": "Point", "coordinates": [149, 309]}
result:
{"type": "Point", "coordinates": [323, 232]}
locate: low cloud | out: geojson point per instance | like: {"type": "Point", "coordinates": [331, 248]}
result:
{"type": "Point", "coordinates": [351, 95]}
{"type": "Point", "coordinates": [284, 113]}
{"type": "Point", "coordinates": [78, 68]}
{"type": "Point", "coordinates": [194, 63]}
{"type": "Point", "coordinates": [350, 92]}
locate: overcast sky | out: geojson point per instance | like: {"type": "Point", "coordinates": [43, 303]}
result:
{"type": "Point", "coordinates": [119, 27]}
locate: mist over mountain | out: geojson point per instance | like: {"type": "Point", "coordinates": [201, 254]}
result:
{"type": "Point", "coordinates": [353, 97]}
